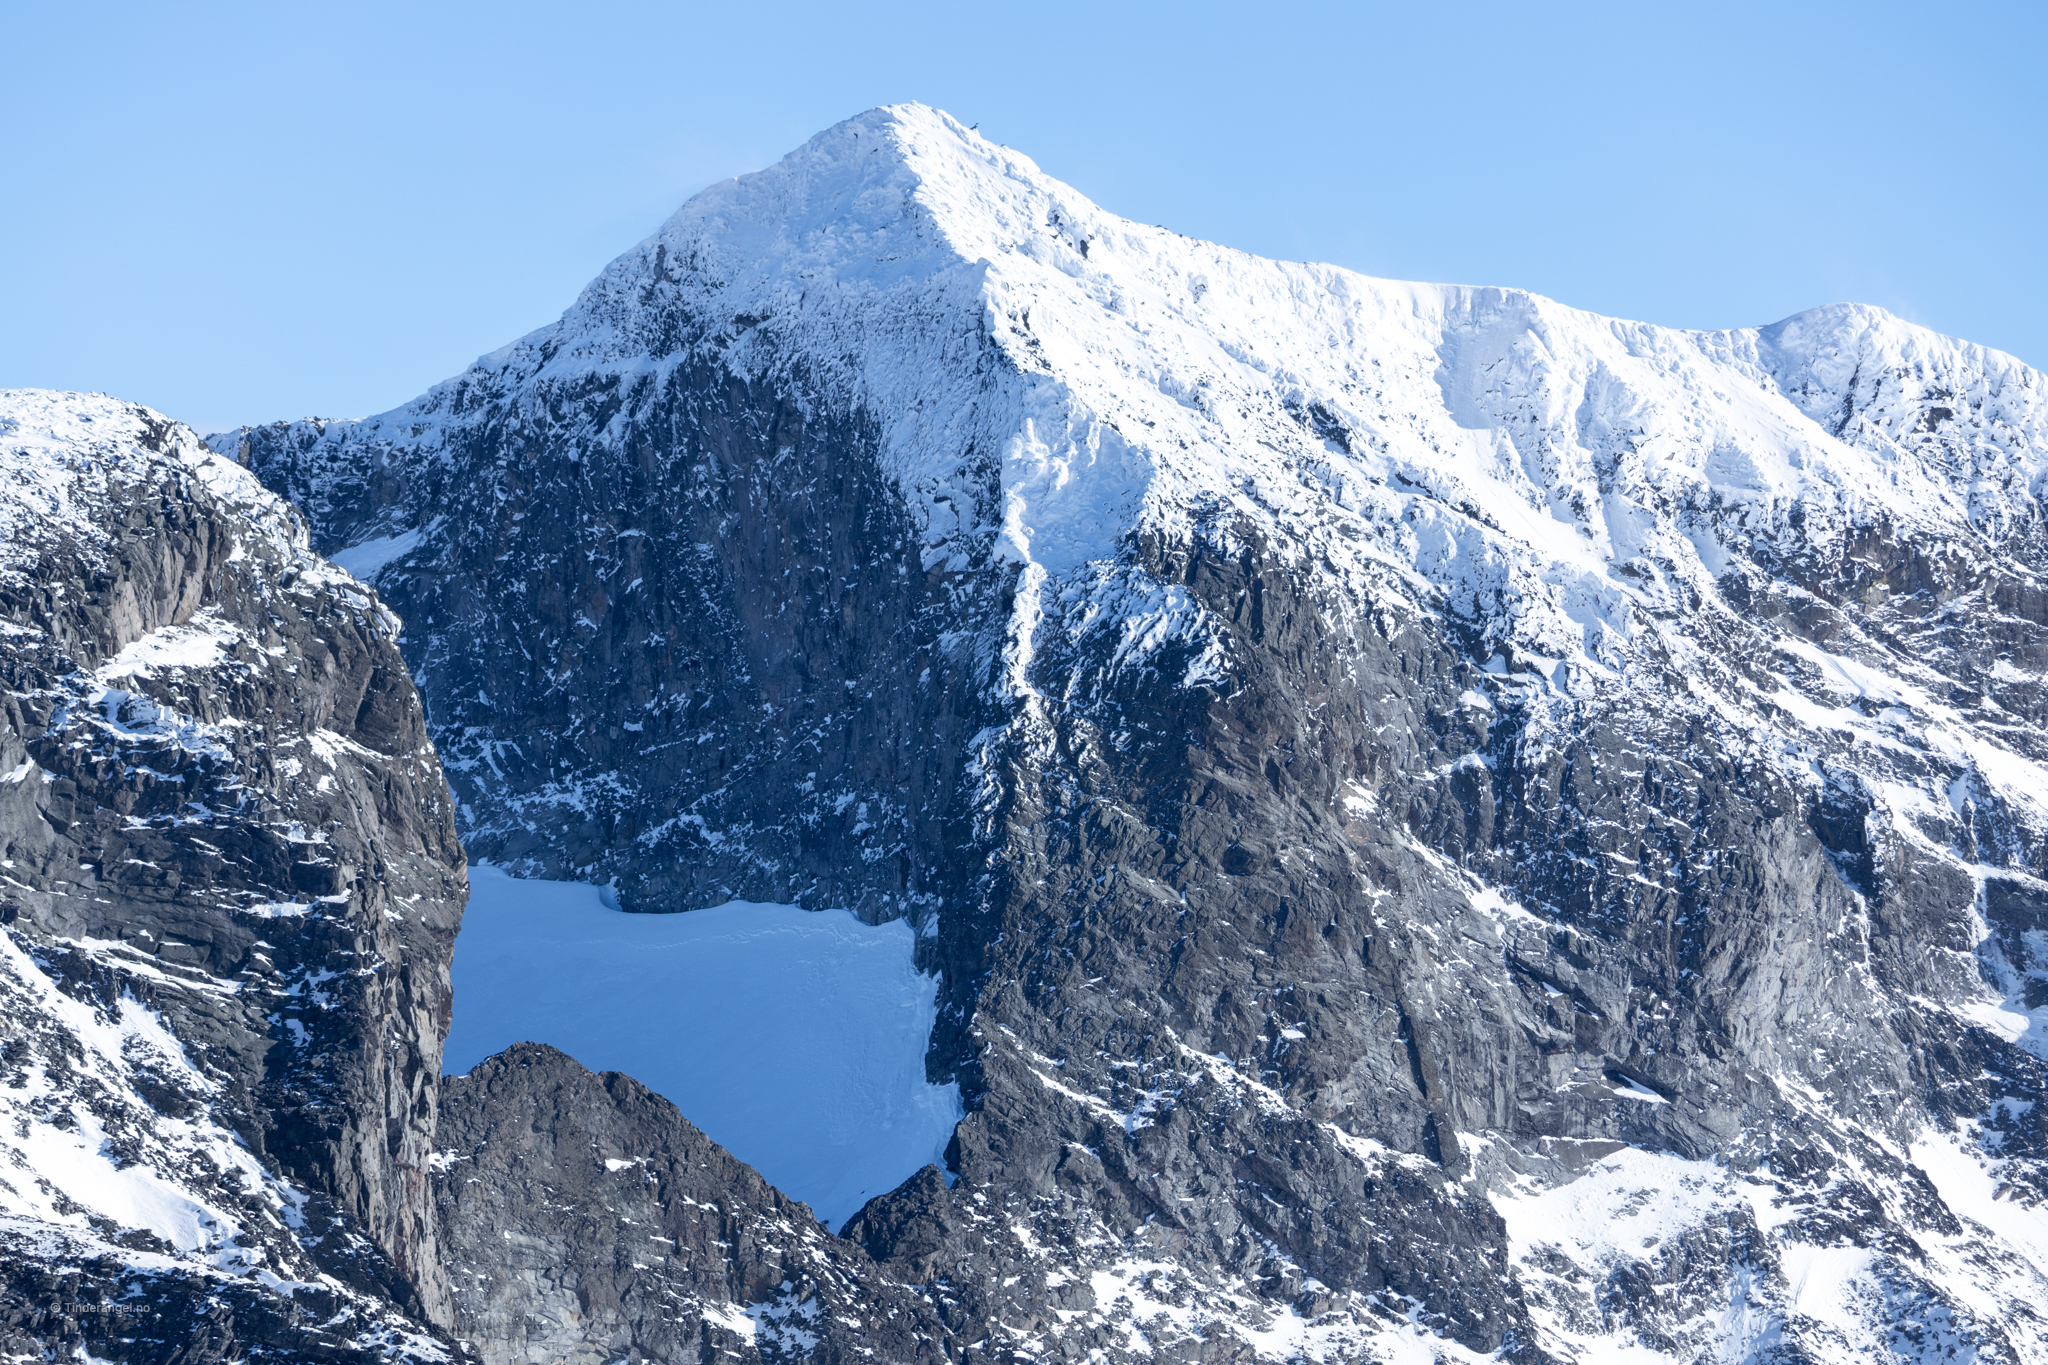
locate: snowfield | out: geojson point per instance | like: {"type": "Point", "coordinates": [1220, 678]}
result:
{"type": "Point", "coordinates": [795, 1038]}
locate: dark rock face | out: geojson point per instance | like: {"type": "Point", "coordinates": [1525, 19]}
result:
{"type": "Point", "coordinates": [585, 1220]}
{"type": "Point", "coordinates": [1240, 982]}
{"type": "Point", "coordinates": [231, 889]}
{"type": "Point", "coordinates": [1522, 834]}
{"type": "Point", "coordinates": [712, 667]}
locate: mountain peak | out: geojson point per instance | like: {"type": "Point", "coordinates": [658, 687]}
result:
{"type": "Point", "coordinates": [1129, 380]}
{"type": "Point", "coordinates": [1382, 769]}
{"type": "Point", "coordinates": [865, 174]}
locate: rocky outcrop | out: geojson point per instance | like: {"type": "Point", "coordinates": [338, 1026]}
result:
{"type": "Point", "coordinates": [1441, 820]}
{"type": "Point", "coordinates": [231, 887]}
{"type": "Point", "coordinates": [586, 1221]}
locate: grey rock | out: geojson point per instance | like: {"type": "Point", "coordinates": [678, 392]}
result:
{"type": "Point", "coordinates": [232, 883]}
{"type": "Point", "coordinates": [587, 1221]}
{"type": "Point", "coordinates": [727, 629]}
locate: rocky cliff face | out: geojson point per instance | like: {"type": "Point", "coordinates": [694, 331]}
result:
{"type": "Point", "coordinates": [1444, 822]}
{"type": "Point", "coordinates": [724, 630]}
{"type": "Point", "coordinates": [230, 881]}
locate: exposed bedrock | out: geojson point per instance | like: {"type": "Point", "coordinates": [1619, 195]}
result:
{"type": "Point", "coordinates": [587, 1221]}
{"type": "Point", "coordinates": [232, 883]}
{"type": "Point", "coordinates": [704, 659]}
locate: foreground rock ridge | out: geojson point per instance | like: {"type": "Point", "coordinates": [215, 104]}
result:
{"type": "Point", "coordinates": [229, 885]}
{"type": "Point", "coordinates": [589, 1221]}
{"type": "Point", "coordinates": [1445, 825]}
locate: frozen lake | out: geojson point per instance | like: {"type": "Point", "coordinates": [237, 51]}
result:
{"type": "Point", "coordinates": [795, 1038]}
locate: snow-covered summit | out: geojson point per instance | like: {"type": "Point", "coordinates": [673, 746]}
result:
{"type": "Point", "coordinates": [1135, 379]}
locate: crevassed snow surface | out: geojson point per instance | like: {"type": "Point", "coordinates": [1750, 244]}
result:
{"type": "Point", "coordinates": [795, 1038]}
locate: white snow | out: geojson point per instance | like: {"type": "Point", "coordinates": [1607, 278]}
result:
{"type": "Point", "coordinates": [795, 1038]}
{"type": "Point", "coordinates": [59, 1165]}
{"type": "Point", "coordinates": [731, 1317]}
{"type": "Point", "coordinates": [1630, 1201]}
{"type": "Point", "coordinates": [66, 459]}
{"type": "Point", "coordinates": [1634, 1205]}
{"type": "Point", "coordinates": [198, 643]}
{"type": "Point", "coordinates": [368, 559]}
{"type": "Point", "coordinates": [1625, 1209]}
{"type": "Point", "coordinates": [1632, 1090]}
{"type": "Point", "coordinates": [1968, 1183]}
{"type": "Point", "coordinates": [1568, 478]}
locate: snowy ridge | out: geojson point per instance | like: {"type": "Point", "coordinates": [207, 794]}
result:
{"type": "Point", "coordinates": [1153, 378]}
{"type": "Point", "coordinates": [1565, 478]}
{"type": "Point", "coordinates": [66, 458]}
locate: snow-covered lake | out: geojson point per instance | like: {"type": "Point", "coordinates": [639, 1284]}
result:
{"type": "Point", "coordinates": [796, 1038]}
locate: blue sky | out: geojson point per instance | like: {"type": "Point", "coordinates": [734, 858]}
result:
{"type": "Point", "coordinates": [241, 213]}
